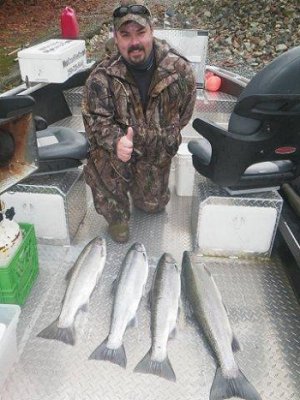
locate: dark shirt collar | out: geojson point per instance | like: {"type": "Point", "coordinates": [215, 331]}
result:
{"type": "Point", "coordinates": [144, 66]}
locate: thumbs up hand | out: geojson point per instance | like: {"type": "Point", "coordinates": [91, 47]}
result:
{"type": "Point", "coordinates": [125, 146]}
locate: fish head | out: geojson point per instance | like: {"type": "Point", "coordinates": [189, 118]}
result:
{"type": "Point", "coordinates": [138, 247]}
{"type": "Point", "coordinates": [169, 261]}
{"type": "Point", "coordinates": [100, 242]}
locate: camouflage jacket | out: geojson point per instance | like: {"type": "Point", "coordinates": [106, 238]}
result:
{"type": "Point", "coordinates": [112, 103]}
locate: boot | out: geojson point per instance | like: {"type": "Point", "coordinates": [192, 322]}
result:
{"type": "Point", "coordinates": [119, 231]}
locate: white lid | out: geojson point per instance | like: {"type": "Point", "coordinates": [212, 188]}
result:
{"type": "Point", "coordinates": [53, 48]}
{"type": "Point", "coordinates": [183, 150]}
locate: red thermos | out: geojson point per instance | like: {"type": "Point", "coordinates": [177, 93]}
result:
{"type": "Point", "coordinates": [68, 23]}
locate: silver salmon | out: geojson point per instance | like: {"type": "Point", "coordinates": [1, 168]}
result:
{"type": "Point", "coordinates": [210, 313]}
{"type": "Point", "coordinates": [129, 290]}
{"type": "Point", "coordinates": [165, 294]}
{"type": "Point", "coordinates": [83, 278]}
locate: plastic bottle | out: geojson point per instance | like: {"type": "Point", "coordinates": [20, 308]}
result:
{"type": "Point", "coordinates": [10, 240]}
{"type": "Point", "coordinates": [68, 23]}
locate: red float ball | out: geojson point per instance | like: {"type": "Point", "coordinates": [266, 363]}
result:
{"type": "Point", "coordinates": [213, 83]}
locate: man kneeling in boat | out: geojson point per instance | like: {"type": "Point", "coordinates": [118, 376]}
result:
{"type": "Point", "coordinates": [136, 102]}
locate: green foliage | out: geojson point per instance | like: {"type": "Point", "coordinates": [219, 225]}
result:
{"type": "Point", "coordinates": [6, 62]}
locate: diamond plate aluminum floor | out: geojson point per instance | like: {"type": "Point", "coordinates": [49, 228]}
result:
{"type": "Point", "coordinates": [262, 308]}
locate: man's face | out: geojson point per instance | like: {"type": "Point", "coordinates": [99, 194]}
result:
{"type": "Point", "coordinates": [134, 41]}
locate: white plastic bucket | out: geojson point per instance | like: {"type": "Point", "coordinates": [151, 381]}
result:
{"type": "Point", "coordinates": [185, 172]}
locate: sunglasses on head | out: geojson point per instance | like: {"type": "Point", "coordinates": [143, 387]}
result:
{"type": "Point", "coordinates": [131, 9]}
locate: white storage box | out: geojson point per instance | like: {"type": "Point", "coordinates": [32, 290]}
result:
{"type": "Point", "coordinates": [184, 172]}
{"type": "Point", "coordinates": [9, 316]}
{"type": "Point", "coordinates": [53, 61]}
{"type": "Point", "coordinates": [239, 226]}
{"type": "Point", "coordinates": [55, 204]}
{"type": "Point", "coordinates": [192, 44]}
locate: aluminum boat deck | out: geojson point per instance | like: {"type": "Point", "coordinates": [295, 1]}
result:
{"type": "Point", "coordinates": [262, 308]}
{"type": "Point", "coordinates": [261, 304]}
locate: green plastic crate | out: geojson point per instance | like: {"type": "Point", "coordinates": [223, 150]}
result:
{"type": "Point", "coordinates": [18, 276]}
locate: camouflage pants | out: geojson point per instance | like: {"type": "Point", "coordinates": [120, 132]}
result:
{"type": "Point", "coordinates": [111, 180]}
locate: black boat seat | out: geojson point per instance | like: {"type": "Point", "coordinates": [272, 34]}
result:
{"type": "Point", "coordinates": [13, 106]}
{"type": "Point", "coordinates": [60, 148]}
{"type": "Point", "coordinates": [203, 151]}
{"type": "Point", "coordinates": [261, 147]}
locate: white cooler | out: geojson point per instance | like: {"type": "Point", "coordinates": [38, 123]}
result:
{"type": "Point", "coordinates": [55, 204]}
{"type": "Point", "coordinates": [53, 61]}
{"type": "Point", "coordinates": [237, 226]}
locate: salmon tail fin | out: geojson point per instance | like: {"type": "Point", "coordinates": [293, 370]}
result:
{"type": "Point", "coordinates": [225, 388]}
{"type": "Point", "coordinates": [115, 356]}
{"type": "Point", "coordinates": [65, 335]}
{"type": "Point", "coordinates": [160, 368]}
